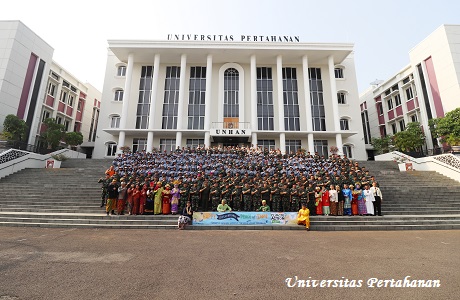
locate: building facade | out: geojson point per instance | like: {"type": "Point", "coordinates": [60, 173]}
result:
{"type": "Point", "coordinates": [25, 60]}
{"type": "Point", "coordinates": [427, 88]}
{"type": "Point", "coordinates": [281, 94]}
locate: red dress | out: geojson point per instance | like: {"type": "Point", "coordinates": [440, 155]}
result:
{"type": "Point", "coordinates": [166, 199]}
{"type": "Point", "coordinates": [136, 197]}
{"type": "Point", "coordinates": [142, 200]}
{"type": "Point", "coordinates": [319, 204]}
{"type": "Point", "coordinates": [354, 204]}
{"type": "Point", "coordinates": [325, 198]}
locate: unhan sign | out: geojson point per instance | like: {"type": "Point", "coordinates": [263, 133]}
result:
{"type": "Point", "coordinates": [230, 132]}
{"type": "Point", "coordinates": [234, 38]}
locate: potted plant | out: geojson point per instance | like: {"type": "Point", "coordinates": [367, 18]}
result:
{"type": "Point", "coordinates": [447, 129]}
{"type": "Point", "coordinates": [56, 160]}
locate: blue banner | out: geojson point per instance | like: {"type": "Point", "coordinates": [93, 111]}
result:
{"type": "Point", "coordinates": [232, 218]}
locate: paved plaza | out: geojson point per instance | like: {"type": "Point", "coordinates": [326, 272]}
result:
{"type": "Point", "coordinates": [49, 263]}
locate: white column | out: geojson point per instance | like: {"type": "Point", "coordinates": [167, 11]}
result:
{"type": "Point", "coordinates": [153, 101]}
{"type": "Point", "coordinates": [335, 105]}
{"type": "Point", "coordinates": [254, 121]}
{"type": "Point", "coordinates": [279, 80]}
{"type": "Point", "coordinates": [309, 120]}
{"type": "Point", "coordinates": [283, 142]}
{"type": "Point", "coordinates": [180, 108]}
{"type": "Point", "coordinates": [254, 139]}
{"type": "Point", "coordinates": [124, 110]}
{"type": "Point", "coordinates": [207, 101]}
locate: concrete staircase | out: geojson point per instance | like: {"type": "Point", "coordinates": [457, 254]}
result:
{"type": "Point", "coordinates": [70, 197]}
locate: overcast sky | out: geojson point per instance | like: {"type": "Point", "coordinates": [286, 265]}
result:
{"type": "Point", "coordinates": [383, 31]}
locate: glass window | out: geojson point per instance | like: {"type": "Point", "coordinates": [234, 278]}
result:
{"type": "Point", "coordinates": [366, 127]}
{"type": "Point", "coordinates": [292, 146]}
{"type": "Point", "coordinates": [121, 71]}
{"type": "Point", "coordinates": [231, 93]}
{"type": "Point", "coordinates": [347, 151]}
{"type": "Point", "coordinates": [266, 144]}
{"type": "Point", "coordinates": [66, 125]}
{"type": "Point", "coordinates": [118, 95]}
{"type": "Point", "coordinates": [46, 115]}
{"type": "Point", "coordinates": [321, 147]}
{"type": "Point", "coordinates": [402, 125]}
{"type": "Point", "coordinates": [341, 98]}
{"type": "Point", "coordinates": [344, 124]}
{"type": "Point", "coordinates": [52, 89]}
{"type": "Point", "coordinates": [414, 118]}
{"type": "Point", "coordinates": [390, 104]}
{"type": "Point", "coordinates": [317, 103]}
{"type": "Point", "coordinates": [111, 149]}
{"type": "Point", "coordinates": [290, 99]}
{"type": "Point", "coordinates": [338, 72]}
{"type": "Point", "coordinates": [409, 94]}
{"type": "Point", "coordinates": [397, 100]}
{"type": "Point", "coordinates": [171, 98]}
{"type": "Point", "coordinates": [194, 143]}
{"type": "Point", "coordinates": [139, 145]}
{"type": "Point", "coordinates": [70, 100]}
{"type": "Point", "coordinates": [63, 96]}
{"type": "Point", "coordinates": [380, 108]}
{"type": "Point", "coordinates": [115, 121]}
{"type": "Point", "coordinates": [167, 145]}
{"type": "Point", "coordinates": [196, 99]}
{"type": "Point", "coordinates": [265, 111]}
{"type": "Point", "coordinates": [393, 128]}
{"type": "Point", "coordinates": [143, 103]}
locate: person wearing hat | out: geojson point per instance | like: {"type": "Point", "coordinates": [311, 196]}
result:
{"type": "Point", "coordinates": [318, 203]}
{"type": "Point", "coordinates": [158, 190]}
{"type": "Point", "coordinates": [354, 200]}
{"type": "Point", "coordinates": [112, 195]}
{"type": "Point", "coordinates": [347, 200]}
{"type": "Point", "coordinates": [121, 199]}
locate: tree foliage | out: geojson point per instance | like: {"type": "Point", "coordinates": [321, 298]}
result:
{"type": "Point", "coordinates": [383, 144]}
{"type": "Point", "coordinates": [73, 138]}
{"type": "Point", "coordinates": [53, 134]}
{"type": "Point", "coordinates": [411, 139]}
{"type": "Point", "coordinates": [14, 128]}
{"type": "Point", "coordinates": [447, 128]}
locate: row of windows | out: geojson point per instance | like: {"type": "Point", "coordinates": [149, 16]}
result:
{"type": "Point", "coordinates": [395, 101]}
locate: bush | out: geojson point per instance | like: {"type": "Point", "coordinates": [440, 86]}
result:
{"type": "Point", "coordinates": [14, 129]}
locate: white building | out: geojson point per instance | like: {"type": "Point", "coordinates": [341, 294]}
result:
{"type": "Point", "coordinates": [427, 88]}
{"type": "Point", "coordinates": [25, 61]}
{"type": "Point", "coordinates": [274, 93]}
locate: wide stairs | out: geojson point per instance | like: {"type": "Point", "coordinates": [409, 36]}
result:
{"type": "Point", "coordinates": [71, 197]}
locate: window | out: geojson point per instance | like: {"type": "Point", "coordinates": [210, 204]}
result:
{"type": "Point", "coordinates": [46, 115]}
{"type": "Point", "coordinates": [80, 105]}
{"type": "Point", "coordinates": [414, 118]}
{"type": "Point", "coordinates": [66, 84]}
{"type": "Point", "coordinates": [402, 125]}
{"type": "Point", "coordinates": [73, 89]}
{"type": "Point", "coordinates": [292, 146]}
{"type": "Point", "coordinates": [394, 88]}
{"type": "Point", "coordinates": [58, 120]}
{"type": "Point", "coordinates": [406, 80]}
{"type": "Point", "coordinates": [347, 151]}
{"type": "Point", "coordinates": [393, 128]}
{"type": "Point", "coordinates": [93, 126]}
{"type": "Point", "coordinates": [397, 100]}
{"type": "Point", "coordinates": [291, 100]}
{"type": "Point", "coordinates": [409, 94]}
{"type": "Point", "coordinates": [66, 125]}
{"type": "Point", "coordinates": [317, 102]}
{"type": "Point", "coordinates": [194, 143]}
{"type": "Point", "coordinates": [321, 147]}
{"type": "Point", "coordinates": [121, 71]}
{"type": "Point", "coordinates": [265, 111]}
{"type": "Point", "coordinates": [70, 100]}
{"type": "Point", "coordinates": [196, 99]}
{"type": "Point", "coordinates": [171, 98]}
{"type": "Point", "coordinates": [380, 108]}
{"type": "Point", "coordinates": [387, 92]}
{"type": "Point", "coordinates": [52, 89]}
{"type": "Point", "coordinates": [390, 104]}
{"type": "Point", "coordinates": [344, 124]}
{"type": "Point", "coordinates": [63, 96]}
{"type": "Point", "coordinates": [118, 95]}
{"type": "Point", "coordinates": [338, 72]}
{"type": "Point", "coordinates": [111, 149]}
{"type": "Point", "coordinates": [54, 75]}
{"type": "Point", "coordinates": [168, 145]}
{"type": "Point", "coordinates": [231, 93]}
{"type": "Point", "coordinates": [145, 92]}
{"type": "Point", "coordinates": [341, 98]}
{"type": "Point", "coordinates": [115, 121]}
{"type": "Point", "coordinates": [266, 144]}
{"type": "Point", "coordinates": [139, 145]}
{"type": "Point", "coordinates": [366, 127]}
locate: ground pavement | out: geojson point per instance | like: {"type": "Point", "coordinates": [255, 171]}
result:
{"type": "Point", "coordinates": [53, 263]}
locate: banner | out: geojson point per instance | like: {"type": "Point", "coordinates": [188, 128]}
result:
{"type": "Point", "coordinates": [231, 218]}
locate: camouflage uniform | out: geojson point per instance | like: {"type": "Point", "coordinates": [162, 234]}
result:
{"type": "Point", "coordinates": [246, 198]}
{"type": "Point", "coordinates": [276, 198]}
{"type": "Point", "coordinates": [295, 198]}
{"type": "Point", "coordinates": [215, 197]}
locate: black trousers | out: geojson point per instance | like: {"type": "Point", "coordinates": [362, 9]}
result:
{"type": "Point", "coordinates": [377, 206]}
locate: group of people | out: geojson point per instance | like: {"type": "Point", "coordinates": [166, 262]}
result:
{"type": "Point", "coordinates": [162, 183]}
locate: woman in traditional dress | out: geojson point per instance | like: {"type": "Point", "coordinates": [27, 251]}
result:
{"type": "Point", "coordinates": [333, 198]}
{"type": "Point", "coordinates": [347, 200]}
{"type": "Point", "coordinates": [143, 199]}
{"type": "Point", "coordinates": [354, 201]}
{"type": "Point", "coordinates": [157, 201]}
{"type": "Point", "coordinates": [130, 199]}
{"type": "Point", "coordinates": [186, 217]}
{"type": "Point", "coordinates": [166, 200]}
{"type": "Point", "coordinates": [362, 210]}
{"type": "Point", "coordinates": [318, 204]}
{"type": "Point", "coordinates": [341, 201]}
{"type": "Point", "coordinates": [150, 200]}
{"type": "Point", "coordinates": [325, 201]}
{"type": "Point", "coordinates": [369, 198]}
{"type": "Point", "coordinates": [303, 216]}
{"type": "Point", "coordinates": [136, 198]}
{"type": "Point", "coordinates": [175, 199]}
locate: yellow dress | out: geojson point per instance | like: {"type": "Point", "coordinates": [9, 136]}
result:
{"type": "Point", "coordinates": [303, 217]}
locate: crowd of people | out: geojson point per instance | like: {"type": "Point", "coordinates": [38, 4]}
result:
{"type": "Point", "coordinates": [162, 183]}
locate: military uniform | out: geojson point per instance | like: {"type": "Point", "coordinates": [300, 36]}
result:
{"type": "Point", "coordinates": [215, 197]}
{"type": "Point", "coordinates": [236, 196]}
{"type": "Point", "coordinates": [246, 198]}
{"type": "Point", "coordinates": [255, 198]}
{"type": "Point", "coordinates": [276, 198]}
{"type": "Point", "coordinates": [285, 198]}
{"type": "Point", "coordinates": [184, 196]}
{"type": "Point", "coordinates": [295, 200]}
{"type": "Point", "coordinates": [194, 197]}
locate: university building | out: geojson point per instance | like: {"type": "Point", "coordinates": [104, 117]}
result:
{"type": "Point", "coordinates": [426, 88]}
{"type": "Point", "coordinates": [265, 92]}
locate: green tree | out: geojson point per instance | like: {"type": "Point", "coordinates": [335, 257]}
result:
{"type": "Point", "coordinates": [411, 139]}
{"type": "Point", "coordinates": [383, 144]}
{"type": "Point", "coordinates": [73, 138]}
{"type": "Point", "coordinates": [14, 128]}
{"type": "Point", "coordinates": [53, 134]}
{"type": "Point", "coordinates": [447, 128]}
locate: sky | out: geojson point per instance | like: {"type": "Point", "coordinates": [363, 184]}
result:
{"type": "Point", "coordinates": [383, 32]}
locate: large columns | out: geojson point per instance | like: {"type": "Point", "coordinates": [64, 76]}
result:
{"type": "Point", "coordinates": [306, 84]}
{"type": "Point", "coordinates": [254, 121]}
{"type": "Point", "coordinates": [279, 81]}
{"type": "Point", "coordinates": [180, 108]}
{"type": "Point", "coordinates": [335, 105]}
{"type": "Point", "coordinates": [124, 110]}
{"type": "Point", "coordinates": [207, 101]}
{"type": "Point", "coordinates": [153, 100]}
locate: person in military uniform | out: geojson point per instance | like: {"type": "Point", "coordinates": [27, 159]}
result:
{"type": "Point", "coordinates": [105, 183]}
{"type": "Point", "coordinates": [215, 196]}
{"type": "Point", "coordinates": [276, 197]}
{"type": "Point", "coordinates": [194, 196]}
{"type": "Point", "coordinates": [311, 199]}
{"type": "Point", "coordinates": [255, 194]}
{"type": "Point", "coordinates": [265, 193]}
{"type": "Point", "coordinates": [237, 195]}
{"type": "Point", "coordinates": [295, 200]}
{"type": "Point", "coordinates": [184, 195]}
{"type": "Point", "coordinates": [205, 196]}
{"type": "Point", "coordinates": [302, 193]}
{"type": "Point", "coordinates": [246, 192]}
{"type": "Point", "coordinates": [285, 197]}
